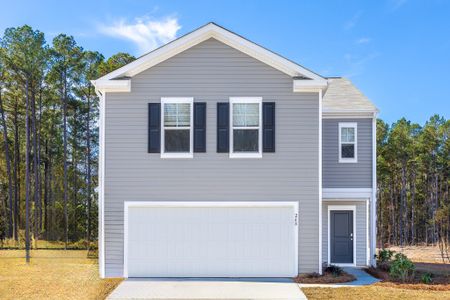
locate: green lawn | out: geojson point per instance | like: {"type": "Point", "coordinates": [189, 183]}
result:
{"type": "Point", "coordinates": [52, 274]}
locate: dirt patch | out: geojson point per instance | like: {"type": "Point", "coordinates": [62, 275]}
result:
{"type": "Point", "coordinates": [441, 269]}
{"type": "Point", "coordinates": [377, 273]}
{"type": "Point", "coordinates": [325, 278]}
{"type": "Point", "coordinates": [424, 254]}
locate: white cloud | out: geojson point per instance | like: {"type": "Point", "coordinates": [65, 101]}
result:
{"type": "Point", "coordinates": [363, 40]}
{"type": "Point", "coordinates": [396, 4]}
{"type": "Point", "coordinates": [357, 64]}
{"type": "Point", "coordinates": [147, 34]}
{"type": "Point", "coordinates": [353, 21]}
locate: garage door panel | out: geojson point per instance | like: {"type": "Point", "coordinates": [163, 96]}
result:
{"type": "Point", "coordinates": [210, 241]}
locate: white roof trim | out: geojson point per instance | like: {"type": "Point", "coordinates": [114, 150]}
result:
{"type": "Point", "coordinates": [304, 85]}
{"type": "Point", "coordinates": [123, 85]}
{"type": "Point", "coordinates": [208, 31]}
{"type": "Point", "coordinates": [348, 113]}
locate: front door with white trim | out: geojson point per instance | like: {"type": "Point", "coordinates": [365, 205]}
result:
{"type": "Point", "coordinates": [256, 239]}
{"type": "Point", "coordinates": [341, 236]}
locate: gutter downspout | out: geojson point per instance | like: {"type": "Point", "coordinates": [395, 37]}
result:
{"type": "Point", "coordinates": [101, 180]}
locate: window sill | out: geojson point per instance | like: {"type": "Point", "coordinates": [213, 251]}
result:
{"type": "Point", "coordinates": [348, 161]}
{"type": "Point", "coordinates": [245, 155]}
{"type": "Point", "coordinates": [177, 155]}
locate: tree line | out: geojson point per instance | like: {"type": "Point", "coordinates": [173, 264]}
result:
{"type": "Point", "coordinates": [413, 168]}
{"type": "Point", "coordinates": [49, 149]}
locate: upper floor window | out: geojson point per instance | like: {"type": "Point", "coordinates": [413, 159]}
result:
{"type": "Point", "coordinates": [176, 125]}
{"type": "Point", "coordinates": [246, 119]}
{"type": "Point", "coordinates": [348, 143]}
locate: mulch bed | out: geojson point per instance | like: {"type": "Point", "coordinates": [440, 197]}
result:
{"type": "Point", "coordinates": [441, 282]}
{"type": "Point", "coordinates": [325, 278]}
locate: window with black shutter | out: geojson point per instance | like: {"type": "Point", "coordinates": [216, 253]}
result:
{"type": "Point", "coordinates": [177, 132]}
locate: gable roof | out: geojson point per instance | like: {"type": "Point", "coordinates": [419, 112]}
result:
{"type": "Point", "coordinates": [342, 96]}
{"type": "Point", "coordinates": [118, 80]}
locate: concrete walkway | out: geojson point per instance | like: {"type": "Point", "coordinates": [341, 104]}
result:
{"type": "Point", "coordinates": [362, 278]}
{"type": "Point", "coordinates": [208, 289]}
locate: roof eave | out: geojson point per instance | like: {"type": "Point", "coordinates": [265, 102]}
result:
{"type": "Point", "coordinates": [344, 113]}
{"type": "Point", "coordinates": [305, 85]}
{"type": "Point", "coordinates": [118, 86]}
{"type": "Point", "coordinates": [205, 32]}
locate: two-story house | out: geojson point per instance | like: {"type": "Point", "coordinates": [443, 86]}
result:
{"type": "Point", "coordinates": [220, 158]}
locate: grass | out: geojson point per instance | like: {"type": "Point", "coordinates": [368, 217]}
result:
{"type": "Point", "coordinates": [59, 274]}
{"type": "Point", "coordinates": [11, 244]}
{"type": "Point", "coordinates": [376, 291]}
{"type": "Point", "coordinates": [52, 274]}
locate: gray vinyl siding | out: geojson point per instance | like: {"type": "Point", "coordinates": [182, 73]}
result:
{"type": "Point", "coordinates": [360, 232]}
{"type": "Point", "coordinates": [346, 175]}
{"type": "Point", "coordinates": [212, 72]}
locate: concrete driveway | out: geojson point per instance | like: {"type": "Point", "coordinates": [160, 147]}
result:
{"type": "Point", "coordinates": [211, 289]}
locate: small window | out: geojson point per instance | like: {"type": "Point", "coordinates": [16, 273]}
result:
{"type": "Point", "coordinates": [347, 142]}
{"type": "Point", "coordinates": [176, 133]}
{"type": "Point", "coordinates": [245, 119]}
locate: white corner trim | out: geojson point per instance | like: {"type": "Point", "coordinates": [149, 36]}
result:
{"type": "Point", "coordinates": [342, 207]}
{"type": "Point", "coordinates": [128, 204]}
{"type": "Point", "coordinates": [257, 100]}
{"type": "Point", "coordinates": [125, 239]}
{"type": "Point", "coordinates": [101, 184]}
{"type": "Point", "coordinates": [347, 193]}
{"type": "Point", "coordinates": [190, 101]}
{"type": "Point", "coordinates": [373, 209]}
{"type": "Point", "coordinates": [201, 34]}
{"type": "Point", "coordinates": [320, 182]}
{"type": "Point", "coordinates": [367, 235]}
{"type": "Point", "coordinates": [353, 125]}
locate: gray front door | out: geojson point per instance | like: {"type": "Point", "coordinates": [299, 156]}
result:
{"type": "Point", "coordinates": [341, 235]}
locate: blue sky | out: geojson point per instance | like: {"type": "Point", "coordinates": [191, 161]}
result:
{"type": "Point", "coordinates": [396, 51]}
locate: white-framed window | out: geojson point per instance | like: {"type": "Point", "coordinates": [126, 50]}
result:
{"type": "Point", "coordinates": [177, 127]}
{"type": "Point", "coordinates": [246, 127]}
{"type": "Point", "coordinates": [348, 145]}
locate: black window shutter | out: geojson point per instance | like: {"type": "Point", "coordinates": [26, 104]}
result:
{"type": "Point", "coordinates": [199, 126]}
{"type": "Point", "coordinates": [223, 127]}
{"type": "Point", "coordinates": [268, 126]}
{"type": "Point", "coordinates": [154, 128]}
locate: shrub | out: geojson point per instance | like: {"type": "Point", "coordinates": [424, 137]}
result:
{"type": "Point", "coordinates": [83, 244]}
{"type": "Point", "coordinates": [402, 268]}
{"type": "Point", "coordinates": [334, 270]}
{"type": "Point", "coordinates": [427, 278]}
{"type": "Point", "coordinates": [384, 255]}
{"type": "Point", "coordinates": [384, 258]}
{"type": "Point", "coordinates": [313, 275]}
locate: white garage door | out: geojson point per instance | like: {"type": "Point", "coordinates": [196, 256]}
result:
{"type": "Point", "coordinates": [210, 239]}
